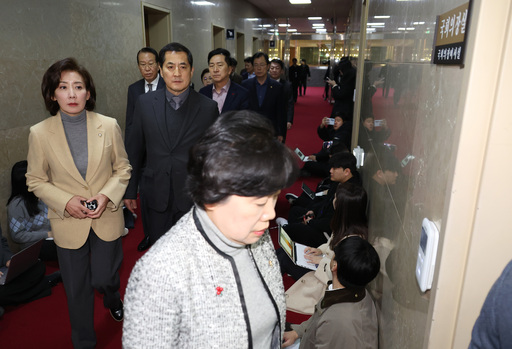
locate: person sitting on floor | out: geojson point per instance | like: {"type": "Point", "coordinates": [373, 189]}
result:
{"type": "Point", "coordinates": [307, 224]}
{"type": "Point", "coordinates": [28, 286]}
{"type": "Point", "coordinates": [349, 219]}
{"type": "Point", "coordinates": [368, 134]}
{"type": "Point", "coordinates": [337, 138]}
{"type": "Point", "coordinates": [28, 216]}
{"type": "Point", "coordinates": [346, 316]}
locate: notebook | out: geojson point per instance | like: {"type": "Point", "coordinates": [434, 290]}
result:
{"type": "Point", "coordinates": [20, 262]}
{"type": "Point", "coordinates": [294, 250]}
{"type": "Point", "coordinates": [301, 155]}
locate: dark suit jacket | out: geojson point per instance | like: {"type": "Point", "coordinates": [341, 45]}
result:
{"type": "Point", "coordinates": [290, 103]}
{"type": "Point", "coordinates": [237, 98]}
{"type": "Point", "coordinates": [163, 178]}
{"type": "Point", "coordinates": [273, 104]}
{"type": "Point", "coordinates": [134, 91]}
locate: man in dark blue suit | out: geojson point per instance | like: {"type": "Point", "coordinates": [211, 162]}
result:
{"type": "Point", "coordinates": [276, 72]}
{"type": "Point", "coordinates": [228, 94]}
{"type": "Point", "coordinates": [166, 123]}
{"type": "Point", "coordinates": [266, 95]}
{"type": "Point", "coordinates": [147, 61]}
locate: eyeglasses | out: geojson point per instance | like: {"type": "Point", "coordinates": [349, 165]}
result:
{"type": "Point", "coordinates": [150, 65]}
{"type": "Point", "coordinates": [260, 65]}
{"type": "Point", "coordinates": [207, 78]}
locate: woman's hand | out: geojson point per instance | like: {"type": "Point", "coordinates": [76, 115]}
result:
{"type": "Point", "coordinates": [131, 204]}
{"type": "Point", "coordinates": [312, 251]}
{"type": "Point", "coordinates": [289, 338]}
{"type": "Point", "coordinates": [75, 207]}
{"type": "Point", "coordinates": [102, 205]}
{"type": "Point", "coordinates": [313, 259]}
{"type": "Point", "coordinates": [324, 122]}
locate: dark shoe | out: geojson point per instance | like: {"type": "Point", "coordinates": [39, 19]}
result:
{"type": "Point", "coordinates": [54, 278]}
{"type": "Point", "coordinates": [118, 313]}
{"type": "Point", "coordinates": [144, 244]}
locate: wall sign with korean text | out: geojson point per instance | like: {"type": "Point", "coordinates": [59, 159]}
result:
{"type": "Point", "coordinates": [451, 33]}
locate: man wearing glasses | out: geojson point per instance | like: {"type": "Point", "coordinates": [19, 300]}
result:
{"type": "Point", "coordinates": [266, 95]}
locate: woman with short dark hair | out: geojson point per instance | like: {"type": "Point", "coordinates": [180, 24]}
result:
{"type": "Point", "coordinates": [78, 166]}
{"type": "Point", "coordinates": [213, 280]}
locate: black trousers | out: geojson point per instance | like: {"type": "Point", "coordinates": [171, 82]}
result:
{"type": "Point", "coordinates": [95, 265]}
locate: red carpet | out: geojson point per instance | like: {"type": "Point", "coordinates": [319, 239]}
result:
{"type": "Point", "coordinates": [44, 323]}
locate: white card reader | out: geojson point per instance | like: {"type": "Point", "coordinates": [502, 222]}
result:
{"type": "Point", "coordinates": [427, 253]}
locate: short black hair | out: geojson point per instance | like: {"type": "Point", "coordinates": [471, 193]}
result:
{"type": "Point", "coordinates": [278, 61]}
{"type": "Point", "coordinates": [234, 62]}
{"type": "Point", "coordinates": [51, 81]}
{"type": "Point", "coordinates": [220, 51]}
{"type": "Point", "coordinates": [344, 160]}
{"type": "Point", "coordinates": [358, 262]}
{"type": "Point", "coordinates": [294, 60]}
{"type": "Point", "coordinates": [205, 70]}
{"type": "Point", "coordinates": [147, 50]}
{"type": "Point", "coordinates": [175, 47]}
{"type": "Point", "coordinates": [259, 55]}
{"type": "Point", "coordinates": [239, 155]}
{"type": "Point", "coordinates": [248, 60]}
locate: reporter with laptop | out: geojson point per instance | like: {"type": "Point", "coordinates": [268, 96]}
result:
{"type": "Point", "coordinates": [30, 285]}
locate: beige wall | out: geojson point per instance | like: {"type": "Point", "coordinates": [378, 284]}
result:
{"type": "Point", "coordinates": [456, 123]}
{"type": "Point", "coordinates": [104, 36]}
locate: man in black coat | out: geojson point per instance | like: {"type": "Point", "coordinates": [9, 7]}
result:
{"type": "Point", "coordinates": [276, 72]}
{"type": "Point", "coordinates": [266, 95]}
{"type": "Point", "coordinates": [147, 61]}
{"type": "Point", "coordinates": [166, 124]}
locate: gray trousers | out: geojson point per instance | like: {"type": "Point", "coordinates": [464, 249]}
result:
{"type": "Point", "coordinates": [95, 265]}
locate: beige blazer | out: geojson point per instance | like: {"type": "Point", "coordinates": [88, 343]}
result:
{"type": "Point", "coordinates": [54, 178]}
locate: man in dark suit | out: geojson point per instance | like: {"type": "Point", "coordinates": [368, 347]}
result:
{"type": "Point", "coordinates": [228, 94]}
{"type": "Point", "coordinates": [147, 61]}
{"type": "Point", "coordinates": [166, 124]}
{"type": "Point", "coordinates": [294, 77]}
{"type": "Point", "coordinates": [266, 95]}
{"type": "Point", "coordinates": [276, 72]}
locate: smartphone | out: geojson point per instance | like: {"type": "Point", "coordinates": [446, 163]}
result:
{"type": "Point", "coordinates": [330, 121]}
{"type": "Point", "coordinates": [378, 123]}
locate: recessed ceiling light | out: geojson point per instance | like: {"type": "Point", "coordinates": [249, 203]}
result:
{"type": "Point", "coordinates": [314, 18]}
{"type": "Point", "coordinates": [376, 23]}
{"type": "Point", "coordinates": [252, 19]}
{"type": "Point", "coordinates": [292, 30]}
{"type": "Point", "coordinates": [381, 16]}
{"type": "Point", "coordinates": [300, 2]}
{"type": "Point", "coordinates": [266, 25]}
{"type": "Point", "coordinates": [202, 3]}
{"type": "Point", "coordinates": [283, 25]}
{"type": "Point", "coordinates": [318, 25]}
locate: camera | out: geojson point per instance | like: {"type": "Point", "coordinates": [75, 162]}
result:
{"type": "Point", "coordinates": [93, 205]}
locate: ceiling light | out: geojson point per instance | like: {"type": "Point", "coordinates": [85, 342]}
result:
{"type": "Point", "coordinates": [202, 3]}
{"type": "Point", "coordinates": [381, 16]}
{"type": "Point", "coordinates": [376, 23]}
{"type": "Point", "coordinates": [292, 30]}
{"type": "Point", "coordinates": [283, 25]}
{"type": "Point", "coordinates": [418, 23]}
{"type": "Point", "coordinates": [300, 2]}
{"type": "Point", "coordinates": [266, 25]}
{"type": "Point", "coordinates": [318, 25]}
{"type": "Point", "coordinates": [314, 18]}
{"type": "Point", "coordinates": [252, 19]}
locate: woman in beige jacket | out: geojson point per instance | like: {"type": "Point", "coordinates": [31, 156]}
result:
{"type": "Point", "coordinates": [78, 166]}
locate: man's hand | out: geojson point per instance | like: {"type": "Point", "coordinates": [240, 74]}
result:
{"type": "Point", "coordinates": [288, 125]}
{"type": "Point", "coordinates": [289, 338]}
{"type": "Point", "coordinates": [131, 204]}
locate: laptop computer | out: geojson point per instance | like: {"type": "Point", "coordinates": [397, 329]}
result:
{"type": "Point", "coordinates": [308, 191]}
{"type": "Point", "coordinates": [294, 250]}
{"type": "Point", "coordinates": [20, 262]}
{"type": "Point", "coordinates": [301, 155]}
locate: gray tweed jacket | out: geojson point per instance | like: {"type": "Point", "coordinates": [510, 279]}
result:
{"type": "Point", "coordinates": [171, 299]}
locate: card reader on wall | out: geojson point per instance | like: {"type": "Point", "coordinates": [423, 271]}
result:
{"type": "Point", "coordinates": [427, 253]}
